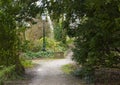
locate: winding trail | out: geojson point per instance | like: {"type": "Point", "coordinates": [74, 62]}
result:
{"type": "Point", "coordinates": [48, 72]}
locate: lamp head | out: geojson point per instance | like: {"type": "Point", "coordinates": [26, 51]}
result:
{"type": "Point", "coordinates": [43, 16]}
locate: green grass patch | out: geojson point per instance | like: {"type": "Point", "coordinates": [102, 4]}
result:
{"type": "Point", "coordinates": [68, 68]}
{"type": "Point", "coordinates": [27, 63]}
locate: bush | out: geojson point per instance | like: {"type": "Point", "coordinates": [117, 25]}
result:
{"type": "Point", "coordinates": [85, 73]}
{"type": "Point", "coordinates": [5, 73]}
{"type": "Point", "coordinates": [25, 45]}
{"type": "Point", "coordinates": [26, 63]}
{"type": "Point", "coordinates": [50, 43]}
{"type": "Point", "coordinates": [68, 68]}
{"type": "Point", "coordinates": [53, 45]}
{"type": "Point", "coordinates": [40, 54]}
{"type": "Point", "coordinates": [35, 46]}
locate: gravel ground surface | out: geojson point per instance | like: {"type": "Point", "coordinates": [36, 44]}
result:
{"type": "Point", "coordinates": [49, 73]}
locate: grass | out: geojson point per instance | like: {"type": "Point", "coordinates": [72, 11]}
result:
{"type": "Point", "coordinates": [68, 68]}
{"type": "Point", "coordinates": [26, 63]}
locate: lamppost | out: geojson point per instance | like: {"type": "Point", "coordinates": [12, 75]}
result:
{"type": "Point", "coordinates": [44, 43]}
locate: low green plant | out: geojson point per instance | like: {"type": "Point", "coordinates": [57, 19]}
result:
{"type": "Point", "coordinates": [68, 68]}
{"type": "Point", "coordinates": [24, 46]}
{"type": "Point", "coordinates": [69, 40]}
{"type": "Point", "coordinates": [5, 73]}
{"type": "Point", "coordinates": [40, 54]}
{"type": "Point", "coordinates": [60, 47]}
{"type": "Point", "coordinates": [26, 63]}
{"type": "Point", "coordinates": [51, 45]}
{"type": "Point", "coordinates": [86, 73]}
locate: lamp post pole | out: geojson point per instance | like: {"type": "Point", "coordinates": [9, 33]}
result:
{"type": "Point", "coordinates": [44, 42]}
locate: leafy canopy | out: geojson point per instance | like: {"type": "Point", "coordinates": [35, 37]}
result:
{"type": "Point", "coordinates": [96, 26]}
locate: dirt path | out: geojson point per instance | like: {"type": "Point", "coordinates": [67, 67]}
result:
{"type": "Point", "coordinates": [50, 73]}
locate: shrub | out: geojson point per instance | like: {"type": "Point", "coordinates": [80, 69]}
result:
{"type": "Point", "coordinates": [68, 68]}
{"type": "Point", "coordinates": [40, 54]}
{"type": "Point", "coordinates": [53, 45]}
{"type": "Point", "coordinates": [5, 73]}
{"type": "Point", "coordinates": [50, 43]}
{"type": "Point", "coordinates": [25, 45]}
{"type": "Point", "coordinates": [35, 46]}
{"type": "Point", "coordinates": [85, 73]}
{"type": "Point", "coordinates": [26, 63]}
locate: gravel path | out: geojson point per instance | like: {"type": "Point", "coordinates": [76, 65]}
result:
{"type": "Point", "coordinates": [50, 73]}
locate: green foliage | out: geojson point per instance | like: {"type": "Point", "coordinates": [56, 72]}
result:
{"type": "Point", "coordinates": [11, 12]}
{"type": "Point", "coordinates": [40, 54]}
{"type": "Point", "coordinates": [5, 73]}
{"type": "Point", "coordinates": [24, 46]}
{"type": "Point", "coordinates": [68, 68]}
{"type": "Point", "coordinates": [97, 33]}
{"type": "Point", "coordinates": [9, 41]}
{"type": "Point", "coordinates": [95, 24]}
{"type": "Point", "coordinates": [99, 46]}
{"type": "Point", "coordinates": [52, 45]}
{"type": "Point", "coordinates": [60, 32]}
{"type": "Point", "coordinates": [34, 46]}
{"type": "Point", "coordinates": [86, 73]}
{"type": "Point", "coordinates": [26, 63]}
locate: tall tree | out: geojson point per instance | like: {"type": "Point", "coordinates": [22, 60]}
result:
{"type": "Point", "coordinates": [12, 11]}
{"type": "Point", "coordinates": [96, 26]}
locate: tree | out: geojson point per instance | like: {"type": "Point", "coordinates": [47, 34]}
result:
{"type": "Point", "coordinates": [60, 32]}
{"type": "Point", "coordinates": [9, 43]}
{"type": "Point", "coordinates": [96, 26]}
{"type": "Point", "coordinates": [13, 11]}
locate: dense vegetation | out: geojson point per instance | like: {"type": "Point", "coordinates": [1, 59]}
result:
{"type": "Point", "coordinates": [95, 24]}
{"type": "Point", "coordinates": [10, 24]}
{"type": "Point", "coordinates": [13, 18]}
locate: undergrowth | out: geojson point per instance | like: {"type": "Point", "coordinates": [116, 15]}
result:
{"type": "Point", "coordinates": [68, 68]}
{"type": "Point", "coordinates": [5, 73]}
{"type": "Point", "coordinates": [40, 54]}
